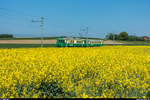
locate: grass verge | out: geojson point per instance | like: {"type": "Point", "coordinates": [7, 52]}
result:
{"type": "Point", "coordinates": [25, 45]}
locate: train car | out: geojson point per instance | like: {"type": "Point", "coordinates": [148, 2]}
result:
{"type": "Point", "coordinates": [77, 42]}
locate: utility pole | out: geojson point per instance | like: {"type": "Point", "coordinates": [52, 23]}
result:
{"type": "Point", "coordinates": [80, 34]}
{"type": "Point", "coordinates": [113, 37]}
{"type": "Point", "coordinates": [42, 28]}
{"type": "Point", "coordinates": [87, 34]}
{"type": "Point", "coordinates": [135, 36]}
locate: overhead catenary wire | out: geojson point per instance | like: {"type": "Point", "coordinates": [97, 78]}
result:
{"type": "Point", "coordinates": [42, 28]}
{"type": "Point", "coordinates": [12, 13]}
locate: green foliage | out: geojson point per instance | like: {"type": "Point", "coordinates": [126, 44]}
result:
{"type": "Point", "coordinates": [123, 36]}
{"type": "Point", "coordinates": [140, 38]}
{"type": "Point", "coordinates": [132, 38]}
{"type": "Point", "coordinates": [110, 36]}
{"type": "Point", "coordinates": [50, 90]}
{"type": "Point", "coordinates": [148, 94]}
{"type": "Point", "coordinates": [6, 36]}
{"type": "Point", "coordinates": [46, 89]}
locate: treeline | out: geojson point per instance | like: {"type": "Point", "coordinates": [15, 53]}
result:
{"type": "Point", "coordinates": [6, 36]}
{"type": "Point", "coordinates": [125, 37]}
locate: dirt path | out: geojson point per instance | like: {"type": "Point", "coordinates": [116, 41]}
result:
{"type": "Point", "coordinates": [111, 42]}
{"type": "Point", "coordinates": [39, 41]}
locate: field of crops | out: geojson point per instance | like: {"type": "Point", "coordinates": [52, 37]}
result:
{"type": "Point", "coordinates": [101, 72]}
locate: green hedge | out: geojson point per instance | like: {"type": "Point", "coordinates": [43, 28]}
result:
{"type": "Point", "coordinates": [6, 36]}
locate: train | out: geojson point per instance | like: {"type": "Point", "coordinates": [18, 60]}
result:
{"type": "Point", "coordinates": [78, 42]}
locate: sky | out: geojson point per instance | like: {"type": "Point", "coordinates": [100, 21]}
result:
{"type": "Point", "coordinates": [69, 17]}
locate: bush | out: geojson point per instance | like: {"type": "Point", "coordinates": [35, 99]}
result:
{"type": "Point", "coordinates": [6, 36]}
{"type": "Point", "coordinates": [132, 38]}
{"type": "Point", "coordinates": [123, 36]}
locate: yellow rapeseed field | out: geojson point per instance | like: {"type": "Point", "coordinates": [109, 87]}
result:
{"type": "Point", "coordinates": [99, 72]}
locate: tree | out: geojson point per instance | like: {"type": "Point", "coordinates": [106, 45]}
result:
{"type": "Point", "coordinates": [6, 36]}
{"type": "Point", "coordinates": [116, 37]}
{"type": "Point", "coordinates": [123, 36]}
{"type": "Point", "coordinates": [112, 36]}
{"type": "Point", "coordinates": [140, 38]}
{"type": "Point", "coordinates": [132, 38]}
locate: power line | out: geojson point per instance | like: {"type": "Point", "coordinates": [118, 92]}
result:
{"type": "Point", "coordinates": [42, 28]}
{"type": "Point", "coordinates": [86, 32]}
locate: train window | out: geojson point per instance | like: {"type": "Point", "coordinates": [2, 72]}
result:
{"type": "Point", "coordinates": [79, 41]}
{"type": "Point", "coordinates": [62, 41]}
{"type": "Point", "coordinates": [92, 42]}
{"type": "Point", "coordinates": [95, 42]}
{"type": "Point", "coordinates": [71, 41]}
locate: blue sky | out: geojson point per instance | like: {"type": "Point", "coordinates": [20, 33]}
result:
{"type": "Point", "coordinates": [67, 17]}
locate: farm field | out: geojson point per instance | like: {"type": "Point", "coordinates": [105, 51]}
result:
{"type": "Point", "coordinates": [93, 72]}
{"type": "Point", "coordinates": [45, 42]}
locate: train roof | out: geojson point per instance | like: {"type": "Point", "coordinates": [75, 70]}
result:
{"type": "Point", "coordinates": [71, 38]}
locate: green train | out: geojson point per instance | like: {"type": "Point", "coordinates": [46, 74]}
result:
{"type": "Point", "coordinates": [77, 42]}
